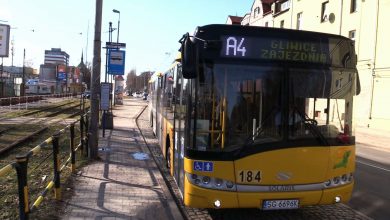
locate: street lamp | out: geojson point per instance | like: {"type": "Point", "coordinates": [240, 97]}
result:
{"type": "Point", "coordinates": [117, 41]}
{"type": "Point", "coordinates": [119, 20]}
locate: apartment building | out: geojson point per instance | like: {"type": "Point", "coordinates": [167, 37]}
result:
{"type": "Point", "coordinates": [364, 21]}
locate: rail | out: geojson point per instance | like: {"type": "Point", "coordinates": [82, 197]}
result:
{"type": "Point", "coordinates": [21, 165]}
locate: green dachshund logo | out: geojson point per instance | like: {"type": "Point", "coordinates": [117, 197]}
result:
{"type": "Point", "coordinates": [344, 161]}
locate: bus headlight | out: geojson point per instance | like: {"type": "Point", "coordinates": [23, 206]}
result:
{"type": "Point", "coordinates": [339, 180]}
{"type": "Point", "coordinates": [344, 178]}
{"type": "Point", "coordinates": [206, 180]}
{"type": "Point", "coordinates": [211, 182]}
{"type": "Point", "coordinates": [350, 178]}
{"type": "Point", "coordinates": [218, 182]}
{"type": "Point", "coordinates": [336, 180]}
{"type": "Point", "coordinates": [229, 184]}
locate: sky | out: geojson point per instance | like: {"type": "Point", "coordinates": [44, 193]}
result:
{"type": "Point", "coordinates": [150, 28]}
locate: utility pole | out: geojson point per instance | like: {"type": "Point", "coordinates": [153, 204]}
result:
{"type": "Point", "coordinates": [95, 84]}
{"type": "Point", "coordinates": [2, 82]}
{"type": "Point", "coordinates": [22, 86]}
{"type": "Point", "coordinates": [12, 51]}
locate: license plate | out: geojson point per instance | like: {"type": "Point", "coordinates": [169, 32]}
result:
{"type": "Point", "coordinates": [281, 204]}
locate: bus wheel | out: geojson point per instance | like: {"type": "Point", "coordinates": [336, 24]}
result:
{"type": "Point", "coordinates": [168, 157]}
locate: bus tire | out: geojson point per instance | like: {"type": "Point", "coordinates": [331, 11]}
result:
{"type": "Point", "coordinates": [168, 163]}
{"type": "Point", "coordinates": [168, 153]}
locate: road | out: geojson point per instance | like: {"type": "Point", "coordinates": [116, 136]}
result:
{"type": "Point", "coordinates": [371, 194]}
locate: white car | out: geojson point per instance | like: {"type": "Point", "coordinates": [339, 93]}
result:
{"type": "Point", "coordinates": [137, 94]}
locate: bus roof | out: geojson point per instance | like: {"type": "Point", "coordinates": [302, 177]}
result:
{"type": "Point", "coordinates": [223, 29]}
{"type": "Point", "coordinates": [155, 76]}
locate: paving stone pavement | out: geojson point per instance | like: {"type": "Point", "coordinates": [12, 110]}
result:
{"type": "Point", "coordinates": [125, 183]}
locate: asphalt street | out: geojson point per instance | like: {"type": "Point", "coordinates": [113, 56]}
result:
{"type": "Point", "coordinates": [371, 194]}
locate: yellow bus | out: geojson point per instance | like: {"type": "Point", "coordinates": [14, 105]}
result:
{"type": "Point", "coordinates": [255, 117]}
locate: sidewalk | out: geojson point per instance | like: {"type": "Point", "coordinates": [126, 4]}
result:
{"type": "Point", "coordinates": [126, 183]}
{"type": "Point", "coordinates": [373, 144]}
{"type": "Point", "coordinates": [375, 138]}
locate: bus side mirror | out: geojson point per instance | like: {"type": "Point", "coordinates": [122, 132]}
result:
{"type": "Point", "coordinates": [188, 58]}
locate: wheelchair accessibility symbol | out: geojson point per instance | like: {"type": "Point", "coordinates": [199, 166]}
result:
{"type": "Point", "coordinates": [203, 166]}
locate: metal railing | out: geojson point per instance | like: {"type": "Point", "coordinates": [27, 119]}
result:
{"type": "Point", "coordinates": [21, 165]}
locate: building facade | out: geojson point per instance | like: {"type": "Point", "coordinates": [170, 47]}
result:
{"type": "Point", "coordinates": [54, 71]}
{"type": "Point", "coordinates": [56, 56]}
{"type": "Point", "coordinates": [11, 79]}
{"type": "Point", "coordinates": [364, 21]}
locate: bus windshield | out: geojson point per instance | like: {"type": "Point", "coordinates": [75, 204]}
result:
{"type": "Point", "coordinates": [241, 105]}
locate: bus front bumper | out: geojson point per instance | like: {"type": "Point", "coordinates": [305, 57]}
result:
{"type": "Point", "coordinates": [198, 197]}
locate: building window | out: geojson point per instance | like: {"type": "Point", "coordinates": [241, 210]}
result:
{"type": "Point", "coordinates": [266, 24]}
{"type": "Point", "coordinates": [353, 6]}
{"type": "Point", "coordinates": [282, 6]}
{"type": "Point", "coordinates": [324, 11]}
{"type": "Point", "coordinates": [299, 21]}
{"type": "Point", "coordinates": [285, 5]}
{"type": "Point", "coordinates": [256, 12]}
{"type": "Point", "coordinates": [282, 24]}
{"type": "Point", "coordinates": [352, 34]}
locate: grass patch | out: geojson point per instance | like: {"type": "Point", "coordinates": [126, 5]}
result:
{"type": "Point", "coordinates": [40, 173]}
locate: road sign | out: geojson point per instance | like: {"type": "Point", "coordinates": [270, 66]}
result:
{"type": "Point", "coordinates": [61, 76]}
{"type": "Point", "coordinates": [105, 96]}
{"type": "Point", "coordinates": [115, 45]}
{"type": "Point", "coordinates": [116, 62]}
{"type": "Point", "coordinates": [4, 40]}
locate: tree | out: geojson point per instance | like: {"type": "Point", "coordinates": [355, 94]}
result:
{"type": "Point", "coordinates": [143, 80]}
{"type": "Point", "coordinates": [130, 80]}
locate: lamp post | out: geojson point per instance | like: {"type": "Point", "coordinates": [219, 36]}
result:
{"type": "Point", "coordinates": [117, 40]}
{"type": "Point", "coordinates": [119, 21]}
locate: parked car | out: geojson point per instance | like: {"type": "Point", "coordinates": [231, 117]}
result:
{"type": "Point", "coordinates": [137, 94]}
{"type": "Point", "coordinates": [145, 96]}
{"type": "Point", "coordinates": [86, 94]}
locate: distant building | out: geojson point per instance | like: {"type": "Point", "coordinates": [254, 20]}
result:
{"type": "Point", "coordinates": [233, 20]}
{"type": "Point", "coordinates": [11, 78]}
{"type": "Point", "coordinates": [56, 56]}
{"type": "Point", "coordinates": [48, 71]}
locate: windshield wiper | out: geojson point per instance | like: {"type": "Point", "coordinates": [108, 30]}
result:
{"type": "Point", "coordinates": [312, 125]}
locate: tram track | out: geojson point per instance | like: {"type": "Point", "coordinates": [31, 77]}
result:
{"type": "Point", "coordinates": [19, 130]}
{"type": "Point", "coordinates": [34, 111]}
{"type": "Point", "coordinates": [20, 141]}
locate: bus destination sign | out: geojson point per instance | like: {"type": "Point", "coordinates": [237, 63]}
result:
{"type": "Point", "coordinates": [264, 48]}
